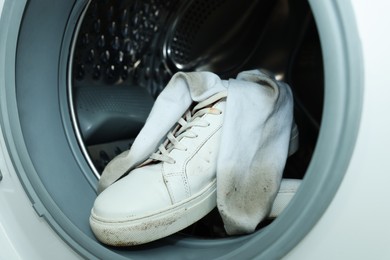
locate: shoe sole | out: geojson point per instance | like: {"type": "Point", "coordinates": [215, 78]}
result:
{"type": "Point", "coordinates": [287, 190]}
{"type": "Point", "coordinates": [154, 226]}
{"type": "Point", "coordinates": [164, 223]}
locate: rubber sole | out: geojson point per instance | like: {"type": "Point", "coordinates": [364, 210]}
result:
{"type": "Point", "coordinates": [164, 223]}
{"type": "Point", "coordinates": [144, 229]}
{"type": "Point", "coordinates": [287, 190]}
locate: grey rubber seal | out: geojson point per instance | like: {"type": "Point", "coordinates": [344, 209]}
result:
{"type": "Point", "coordinates": [34, 40]}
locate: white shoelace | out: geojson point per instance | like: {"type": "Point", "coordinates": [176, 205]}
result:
{"type": "Point", "coordinates": [192, 118]}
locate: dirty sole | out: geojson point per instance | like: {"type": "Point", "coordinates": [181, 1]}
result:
{"type": "Point", "coordinates": [143, 229]}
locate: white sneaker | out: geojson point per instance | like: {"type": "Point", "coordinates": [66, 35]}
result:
{"type": "Point", "coordinates": [172, 190]}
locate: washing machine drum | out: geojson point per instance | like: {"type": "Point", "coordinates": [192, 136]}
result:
{"type": "Point", "coordinates": [87, 74]}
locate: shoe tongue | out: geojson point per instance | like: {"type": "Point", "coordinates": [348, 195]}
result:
{"type": "Point", "coordinates": [210, 101]}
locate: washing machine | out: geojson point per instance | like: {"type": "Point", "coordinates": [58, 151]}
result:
{"type": "Point", "coordinates": [78, 79]}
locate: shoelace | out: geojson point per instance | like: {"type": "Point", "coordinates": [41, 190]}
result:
{"type": "Point", "coordinates": [192, 118]}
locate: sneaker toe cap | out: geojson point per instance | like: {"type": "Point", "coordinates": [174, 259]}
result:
{"type": "Point", "coordinates": [141, 193]}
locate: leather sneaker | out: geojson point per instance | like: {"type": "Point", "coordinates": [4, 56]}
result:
{"type": "Point", "coordinates": [180, 183]}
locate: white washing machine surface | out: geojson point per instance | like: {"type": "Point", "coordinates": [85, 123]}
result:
{"type": "Point", "coordinates": [56, 57]}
